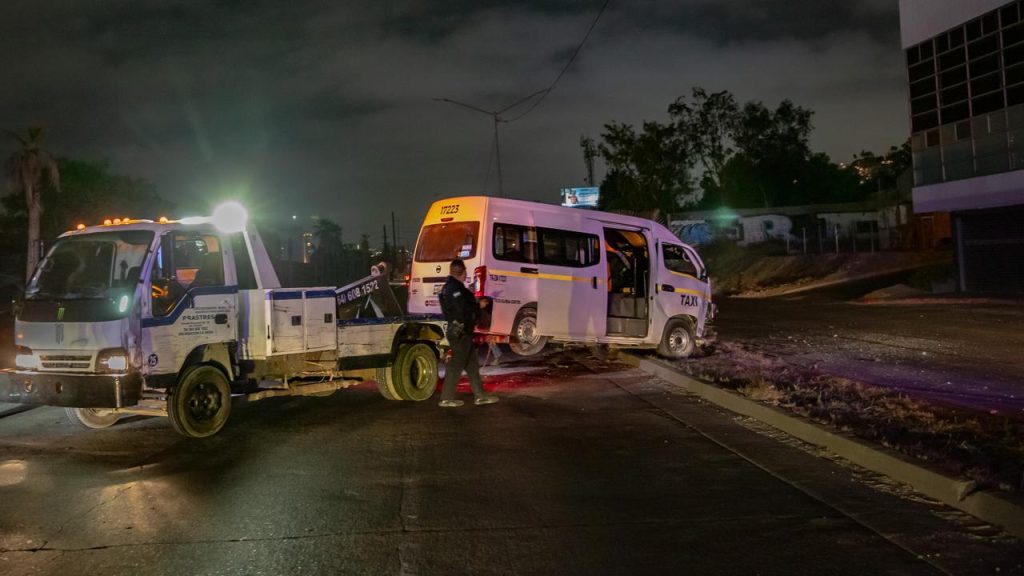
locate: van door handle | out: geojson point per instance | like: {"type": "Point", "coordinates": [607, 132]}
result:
{"type": "Point", "coordinates": [593, 282]}
{"type": "Point", "coordinates": [668, 288]}
{"type": "Point", "coordinates": [220, 319]}
{"type": "Point", "coordinates": [526, 270]}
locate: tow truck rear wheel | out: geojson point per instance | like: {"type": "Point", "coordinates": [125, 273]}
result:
{"type": "Point", "coordinates": [524, 340]}
{"type": "Point", "coordinates": [95, 418]}
{"type": "Point", "coordinates": [200, 404]}
{"type": "Point", "coordinates": [412, 376]}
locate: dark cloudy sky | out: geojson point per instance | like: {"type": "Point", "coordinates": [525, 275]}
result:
{"type": "Point", "coordinates": [326, 108]}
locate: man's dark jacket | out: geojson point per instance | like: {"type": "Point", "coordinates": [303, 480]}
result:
{"type": "Point", "coordinates": [458, 305]}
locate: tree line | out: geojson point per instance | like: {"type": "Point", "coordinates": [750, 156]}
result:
{"type": "Point", "coordinates": [713, 151]}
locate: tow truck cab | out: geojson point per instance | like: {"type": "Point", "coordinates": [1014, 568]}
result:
{"type": "Point", "coordinates": [122, 304]}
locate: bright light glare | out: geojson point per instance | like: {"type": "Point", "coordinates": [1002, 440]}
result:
{"type": "Point", "coordinates": [190, 220]}
{"type": "Point", "coordinates": [116, 363]}
{"type": "Point", "coordinates": [26, 361]}
{"type": "Point", "coordinates": [122, 306]}
{"type": "Point", "coordinates": [229, 217]}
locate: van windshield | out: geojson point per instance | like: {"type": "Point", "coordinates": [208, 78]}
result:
{"type": "Point", "coordinates": [91, 265]}
{"type": "Point", "coordinates": [446, 242]}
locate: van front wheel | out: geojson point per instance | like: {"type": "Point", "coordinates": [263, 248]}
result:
{"type": "Point", "coordinates": [677, 341]}
{"type": "Point", "coordinates": [524, 340]}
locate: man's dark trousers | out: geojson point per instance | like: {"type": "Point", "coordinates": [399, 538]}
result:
{"type": "Point", "coordinates": [463, 358]}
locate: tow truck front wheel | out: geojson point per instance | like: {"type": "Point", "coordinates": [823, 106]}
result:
{"type": "Point", "coordinates": [201, 402]}
{"type": "Point", "coordinates": [92, 417]}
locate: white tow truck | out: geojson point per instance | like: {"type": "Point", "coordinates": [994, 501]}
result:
{"type": "Point", "coordinates": [177, 318]}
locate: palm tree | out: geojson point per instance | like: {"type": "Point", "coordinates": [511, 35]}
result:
{"type": "Point", "coordinates": [24, 171]}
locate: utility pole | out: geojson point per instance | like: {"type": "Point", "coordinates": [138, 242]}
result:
{"type": "Point", "coordinates": [497, 153]}
{"type": "Point", "coordinates": [394, 242]}
{"type": "Point", "coordinates": [394, 231]}
{"type": "Point", "coordinates": [496, 116]}
{"type": "Point", "coordinates": [589, 153]}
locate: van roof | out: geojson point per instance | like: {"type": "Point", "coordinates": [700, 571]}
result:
{"type": "Point", "coordinates": [609, 217]}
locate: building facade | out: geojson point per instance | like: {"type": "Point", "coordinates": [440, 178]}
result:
{"type": "Point", "coordinates": [965, 72]}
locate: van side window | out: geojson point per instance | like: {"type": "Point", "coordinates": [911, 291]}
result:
{"type": "Point", "coordinates": [515, 243]}
{"type": "Point", "coordinates": [564, 248]}
{"type": "Point", "coordinates": [677, 260]}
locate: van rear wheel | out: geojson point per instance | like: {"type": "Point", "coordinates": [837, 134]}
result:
{"type": "Point", "coordinates": [94, 418]}
{"type": "Point", "coordinates": [524, 340]}
{"type": "Point", "coordinates": [677, 341]}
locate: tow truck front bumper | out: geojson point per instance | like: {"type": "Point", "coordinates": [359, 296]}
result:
{"type": "Point", "coordinates": [70, 390]}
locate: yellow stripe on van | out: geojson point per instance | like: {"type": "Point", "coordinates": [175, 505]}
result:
{"type": "Point", "coordinates": [705, 295]}
{"type": "Point", "coordinates": [562, 277]}
{"type": "Point", "coordinates": [699, 293]}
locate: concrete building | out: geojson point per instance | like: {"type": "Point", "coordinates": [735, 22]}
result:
{"type": "Point", "coordinates": [965, 70]}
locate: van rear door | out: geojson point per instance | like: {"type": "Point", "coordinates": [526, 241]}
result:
{"type": "Point", "coordinates": [571, 292]}
{"type": "Point", "coordinates": [438, 245]}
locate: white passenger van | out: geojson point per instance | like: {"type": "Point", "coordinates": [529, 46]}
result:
{"type": "Point", "coordinates": [565, 274]}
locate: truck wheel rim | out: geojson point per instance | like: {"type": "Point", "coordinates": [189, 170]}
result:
{"type": "Point", "coordinates": [527, 332]}
{"type": "Point", "coordinates": [203, 402]}
{"type": "Point", "coordinates": [419, 372]}
{"type": "Point", "coordinates": [679, 340]}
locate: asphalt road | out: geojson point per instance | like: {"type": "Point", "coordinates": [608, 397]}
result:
{"type": "Point", "coordinates": [576, 471]}
{"type": "Point", "coordinates": [954, 351]}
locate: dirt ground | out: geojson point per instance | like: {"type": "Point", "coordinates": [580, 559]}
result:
{"type": "Point", "coordinates": [986, 448]}
{"type": "Point", "coordinates": [766, 270]}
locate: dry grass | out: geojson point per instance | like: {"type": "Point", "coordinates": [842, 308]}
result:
{"type": "Point", "coordinates": [988, 449]}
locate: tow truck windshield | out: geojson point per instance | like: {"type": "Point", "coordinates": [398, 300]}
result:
{"type": "Point", "coordinates": [88, 266]}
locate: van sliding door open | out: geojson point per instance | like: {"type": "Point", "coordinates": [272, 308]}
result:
{"type": "Point", "coordinates": [572, 296]}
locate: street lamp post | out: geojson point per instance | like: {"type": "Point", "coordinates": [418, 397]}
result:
{"type": "Point", "coordinates": [496, 116]}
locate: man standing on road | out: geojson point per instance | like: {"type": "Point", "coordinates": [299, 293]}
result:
{"type": "Point", "coordinates": [461, 311]}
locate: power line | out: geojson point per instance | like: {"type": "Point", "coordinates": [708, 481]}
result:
{"type": "Point", "coordinates": [575, 53]}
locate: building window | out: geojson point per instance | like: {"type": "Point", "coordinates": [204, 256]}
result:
{"type": "Point", "coordinates": [963, 131]}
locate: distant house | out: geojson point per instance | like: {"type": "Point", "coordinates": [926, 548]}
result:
{"type": "Point", "coordinates": [693, 232]}
{"type": "Point", "coordinates": [763, 227]}
{"type": "Point", "coordinates": [878, 224]}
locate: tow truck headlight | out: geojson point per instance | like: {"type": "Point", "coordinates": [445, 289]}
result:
{"type": "Point", "coordinates": [112, 360]}
{"type": "Point", "coordinates": [24, 359]}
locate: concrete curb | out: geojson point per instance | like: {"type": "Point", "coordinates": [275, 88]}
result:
{"type": "Point", "coordinates": [959, 494]}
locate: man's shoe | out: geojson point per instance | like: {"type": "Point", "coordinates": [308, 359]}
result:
{"type": "Point", "coordinates": [450, 403]}
{"type": "Point", "coordinates": [485, 400]}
